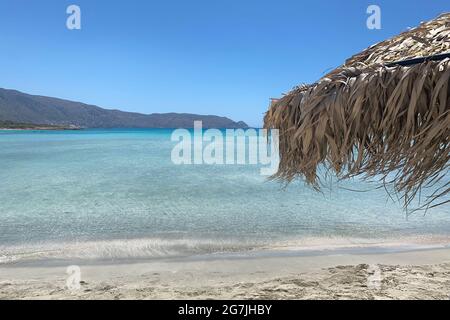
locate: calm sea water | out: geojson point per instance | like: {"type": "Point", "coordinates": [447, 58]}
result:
{"type": "Point", "coordinates": [115, 194]}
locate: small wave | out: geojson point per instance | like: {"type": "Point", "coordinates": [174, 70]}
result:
{"type": "Point", "coordinates": [119, 249]}
{"type": "Point", "coordinates": [153, 248]}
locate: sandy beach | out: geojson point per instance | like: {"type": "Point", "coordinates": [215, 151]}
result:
{"type": "Point", "coordinates": [423, 274]}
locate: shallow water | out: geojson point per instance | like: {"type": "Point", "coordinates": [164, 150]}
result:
{"type": "Point", "coordinates": [112, 194]}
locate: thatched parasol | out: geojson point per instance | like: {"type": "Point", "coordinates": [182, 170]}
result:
{"type": "Point", "coordinates": [384, 114]}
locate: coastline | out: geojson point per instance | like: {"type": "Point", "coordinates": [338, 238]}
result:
{"type": "Point", "coordinates": [19, 126]}
{"type": "Point", "coordinates": [423, 274]}
{"type": "Point", "coordinates": [41, 128]}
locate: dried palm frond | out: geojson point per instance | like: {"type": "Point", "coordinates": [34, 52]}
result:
{"type": "Point", "coordinates": [374, 118]}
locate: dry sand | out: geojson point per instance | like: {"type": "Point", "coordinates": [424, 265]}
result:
{"type": "Point", "coordinates": [409, 275]}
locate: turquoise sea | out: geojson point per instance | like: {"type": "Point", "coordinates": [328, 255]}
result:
{"type": "Point", "coordinates": [103, 195]}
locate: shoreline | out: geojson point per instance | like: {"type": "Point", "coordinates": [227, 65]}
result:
{"type": "Point", "coordinates": [132, 251]}
{"type": "Point", "coordinates": [22, 126]}
{"type": "Point", "coordinates": [41, 129]}
{"type": "Point", "coordinates": [421, 274]}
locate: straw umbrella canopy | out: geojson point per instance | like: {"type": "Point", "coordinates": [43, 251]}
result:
{"type": "Point", "coordinates": [384, 115]}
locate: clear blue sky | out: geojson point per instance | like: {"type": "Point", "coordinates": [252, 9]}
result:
{"type": "Point", "coordinates": [224, 57]}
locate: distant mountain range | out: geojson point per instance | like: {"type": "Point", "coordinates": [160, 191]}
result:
{"type": "Point", "coordinates": [18, 107]}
